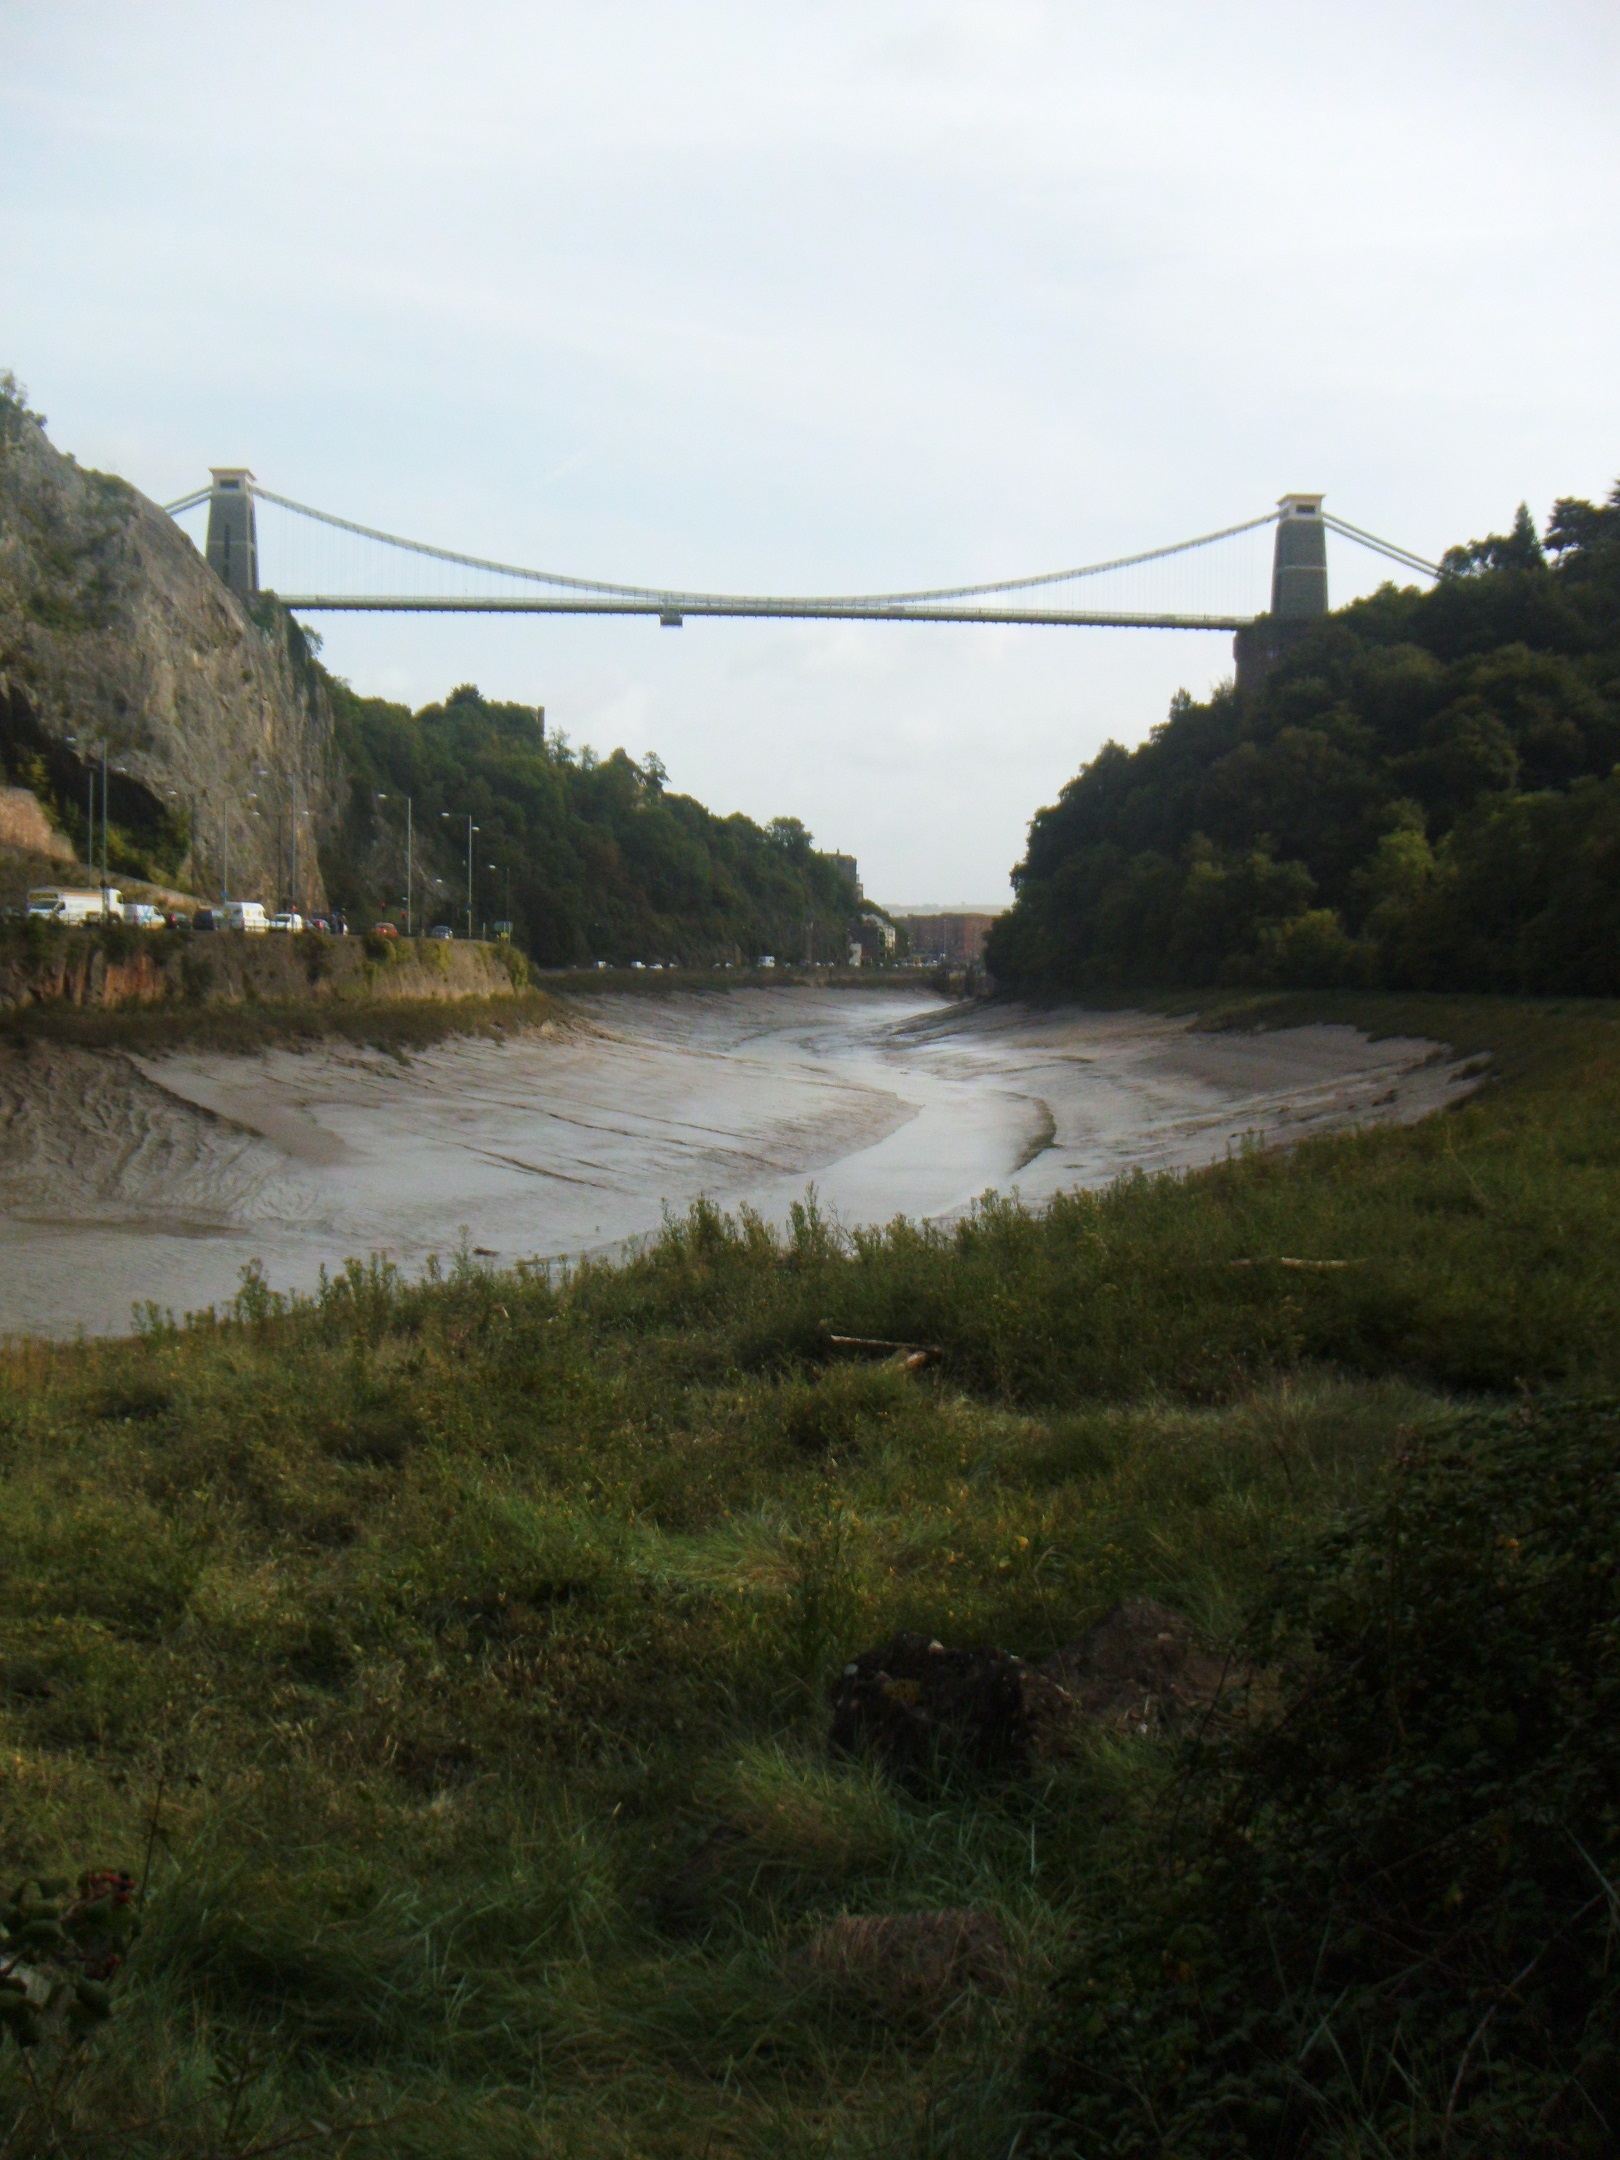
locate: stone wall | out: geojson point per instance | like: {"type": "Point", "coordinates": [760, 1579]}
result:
{"type": "Point", "coordinates": [106, 969]}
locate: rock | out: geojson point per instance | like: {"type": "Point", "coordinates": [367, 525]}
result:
{"type": "Point", "coordinates": [1141, 1670]}
{"type": "Point", "coordinates": [923, 1708]}
{"type": "Point", "coordinates": [23, 824]}
{"type": "Point", "coordinates": [114, 630]}
{"type": "Point", "coordinates": [902, 1963]}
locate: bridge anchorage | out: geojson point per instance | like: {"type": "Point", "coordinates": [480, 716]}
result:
{"type": "Point", "coordinates": [1299, 579]}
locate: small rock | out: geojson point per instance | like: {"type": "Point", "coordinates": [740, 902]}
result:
{"type": "Point", "coordinates": [912, 1962]}
{"type": "Point", "coordinates": [922, 1708]}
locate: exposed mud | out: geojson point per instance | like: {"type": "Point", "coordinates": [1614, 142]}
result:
{"type": "Point", "coordinates": [125, 1178]}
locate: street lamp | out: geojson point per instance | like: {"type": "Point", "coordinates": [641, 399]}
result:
{"type": "Point", "coordinates": [408, 849]}
{"type": "Point", "coordinates": [471, 829]}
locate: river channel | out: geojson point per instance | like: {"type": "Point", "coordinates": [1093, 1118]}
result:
{"type": "Point", "coordinates": [128, 1179]}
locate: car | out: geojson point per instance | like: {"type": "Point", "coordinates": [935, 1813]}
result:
{"type": "Point", "coordinates": [384, 929]}
{"type": "Point", "coordinates": [441, 930]}
{"type": "Point", "coordinates": [287, 919]}
{"type": "Point", "coordinates": [206, 918]}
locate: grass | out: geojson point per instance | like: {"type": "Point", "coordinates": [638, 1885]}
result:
{"type": "Point", "coordinates": [452, 1656]}
{"type": "Point", "coordinates": [400, 1024]}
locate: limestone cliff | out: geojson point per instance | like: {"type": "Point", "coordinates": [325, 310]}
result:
{"type": "Point", "coordinates": [115, 634]}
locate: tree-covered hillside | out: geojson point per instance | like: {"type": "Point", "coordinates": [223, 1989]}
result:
{"type": "Point", "coordinates": [590, 857]}
{"type": "Point", "coordinates": [1423, 795]}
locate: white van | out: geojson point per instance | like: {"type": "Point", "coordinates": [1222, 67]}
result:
{"type": "Point", "coordinates": [142, 915]}
{"type": "Point", "coordinates": [54, 903]}
{"type": "Point", "coordinates": [246, 915]}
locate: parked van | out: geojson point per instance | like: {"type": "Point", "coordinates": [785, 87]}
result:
{"type": "Point", "coordinates": [246, 915]}
{"type": "Point", "coordinates": [142, 915]}
{"type": "Point", "coordinates": [54, 903]}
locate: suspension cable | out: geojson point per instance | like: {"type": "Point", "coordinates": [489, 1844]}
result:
{"type": "Point", "coordinates": [694, 599]}
{"type": "Point", "coordinates": [1403, 556]}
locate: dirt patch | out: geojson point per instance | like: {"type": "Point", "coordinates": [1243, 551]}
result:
{"type": "Point", "coordinates": [1142, 1670]}
{"type": "Point", "coordinates": [910, 1964]}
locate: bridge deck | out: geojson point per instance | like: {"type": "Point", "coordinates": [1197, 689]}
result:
{"type": "Point", "coordinates": [676, 611]}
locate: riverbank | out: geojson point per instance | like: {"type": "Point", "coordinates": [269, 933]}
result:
{"type": "Point", "coordinates": [452, 1661]}
{"type": "Point", "coordinates": [47, 970]}
{"type": "Point", "coordinates": [156, 1168]}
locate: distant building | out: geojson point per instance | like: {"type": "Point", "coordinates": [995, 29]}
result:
{"type": "Point", "coordinates": [845, 866]}
{"type": "Point", "coordinates": [958, 940]}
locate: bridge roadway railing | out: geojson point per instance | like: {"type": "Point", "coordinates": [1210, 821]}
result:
{"type": "Point", "coordinates": [672, 616]}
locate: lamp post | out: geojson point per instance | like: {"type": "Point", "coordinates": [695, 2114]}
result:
{"type": "Point", "coordinates": [471, 829]}
{"type": "Point", "coordinates": [408, 852]}
{"type": "Point", "coordinates": [262, 772]}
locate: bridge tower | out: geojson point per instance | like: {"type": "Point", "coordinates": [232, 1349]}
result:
{"type": "Point", "coordinates": [233, 540]}
{"type": "Point", "coordinates": [1299, 560]}
{"type": "Point", "coordinates": [1299, 590]}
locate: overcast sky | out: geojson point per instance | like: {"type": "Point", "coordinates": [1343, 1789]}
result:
{"type": "Point", "coordinates": [821, 297]}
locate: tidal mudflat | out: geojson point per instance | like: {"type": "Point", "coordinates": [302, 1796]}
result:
{"type": "Point", "coordinates": [126, 1178]}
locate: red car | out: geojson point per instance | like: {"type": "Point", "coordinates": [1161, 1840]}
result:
{"type": "Point", "coordinates": [384, 929]}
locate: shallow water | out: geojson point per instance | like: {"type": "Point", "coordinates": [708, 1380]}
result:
{"type": "Point", "coordinates": [128, 1179]}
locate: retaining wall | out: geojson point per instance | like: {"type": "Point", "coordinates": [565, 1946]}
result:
{"type": "Point", "coordinates": [106, 968]}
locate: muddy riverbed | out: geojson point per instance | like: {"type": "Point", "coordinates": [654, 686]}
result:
{"type": "Point", "coordinates": [125, 1179]}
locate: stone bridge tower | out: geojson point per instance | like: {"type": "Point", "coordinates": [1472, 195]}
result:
{"type": "Point", "coordinates": [1299, 590]}
{"type": "Point", "coordinates": [233, 540]}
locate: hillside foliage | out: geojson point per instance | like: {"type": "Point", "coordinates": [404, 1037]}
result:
{"type": "Point", "coordinates": [1422, 795]}
{"type": "Point", "coordinates": [589, 857]}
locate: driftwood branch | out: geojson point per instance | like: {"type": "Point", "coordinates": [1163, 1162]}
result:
{"type": "Point", "coordinates": [911, 1356]}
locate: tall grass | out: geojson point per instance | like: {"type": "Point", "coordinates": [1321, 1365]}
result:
{"type": "Point", "coordinates": [452, 1655]}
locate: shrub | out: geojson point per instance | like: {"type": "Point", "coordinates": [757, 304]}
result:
{"type": "Point", "coordinates": [1385, 1919]}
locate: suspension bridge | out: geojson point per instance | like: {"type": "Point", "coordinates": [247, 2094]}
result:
{"type": "Point", "coordinates": [1213, 581]}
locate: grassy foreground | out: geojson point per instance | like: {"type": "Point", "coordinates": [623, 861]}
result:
{"type": "Point", "coordinates": [448, 1662]}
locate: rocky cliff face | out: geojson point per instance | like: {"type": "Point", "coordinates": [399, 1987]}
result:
{"type": "Point", "coordinates": [115, 633]}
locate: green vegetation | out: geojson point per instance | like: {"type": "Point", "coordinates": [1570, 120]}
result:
{"type": "Point", "coordinates": [1423, 795]}
{"type": "Point", "coordinates": [239, 993]}
{"type": "Point", "coordinates": [1385, 1921]}
{"type": "Point", "coordinates": [453, 1660]}
{"type": "Point", "coordinates": [593, 858]}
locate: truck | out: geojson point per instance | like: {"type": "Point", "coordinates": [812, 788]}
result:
{"type": "Point", "coordinates": [56, 903]}
{"type": "Point", "coordinates": [246, 915]}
